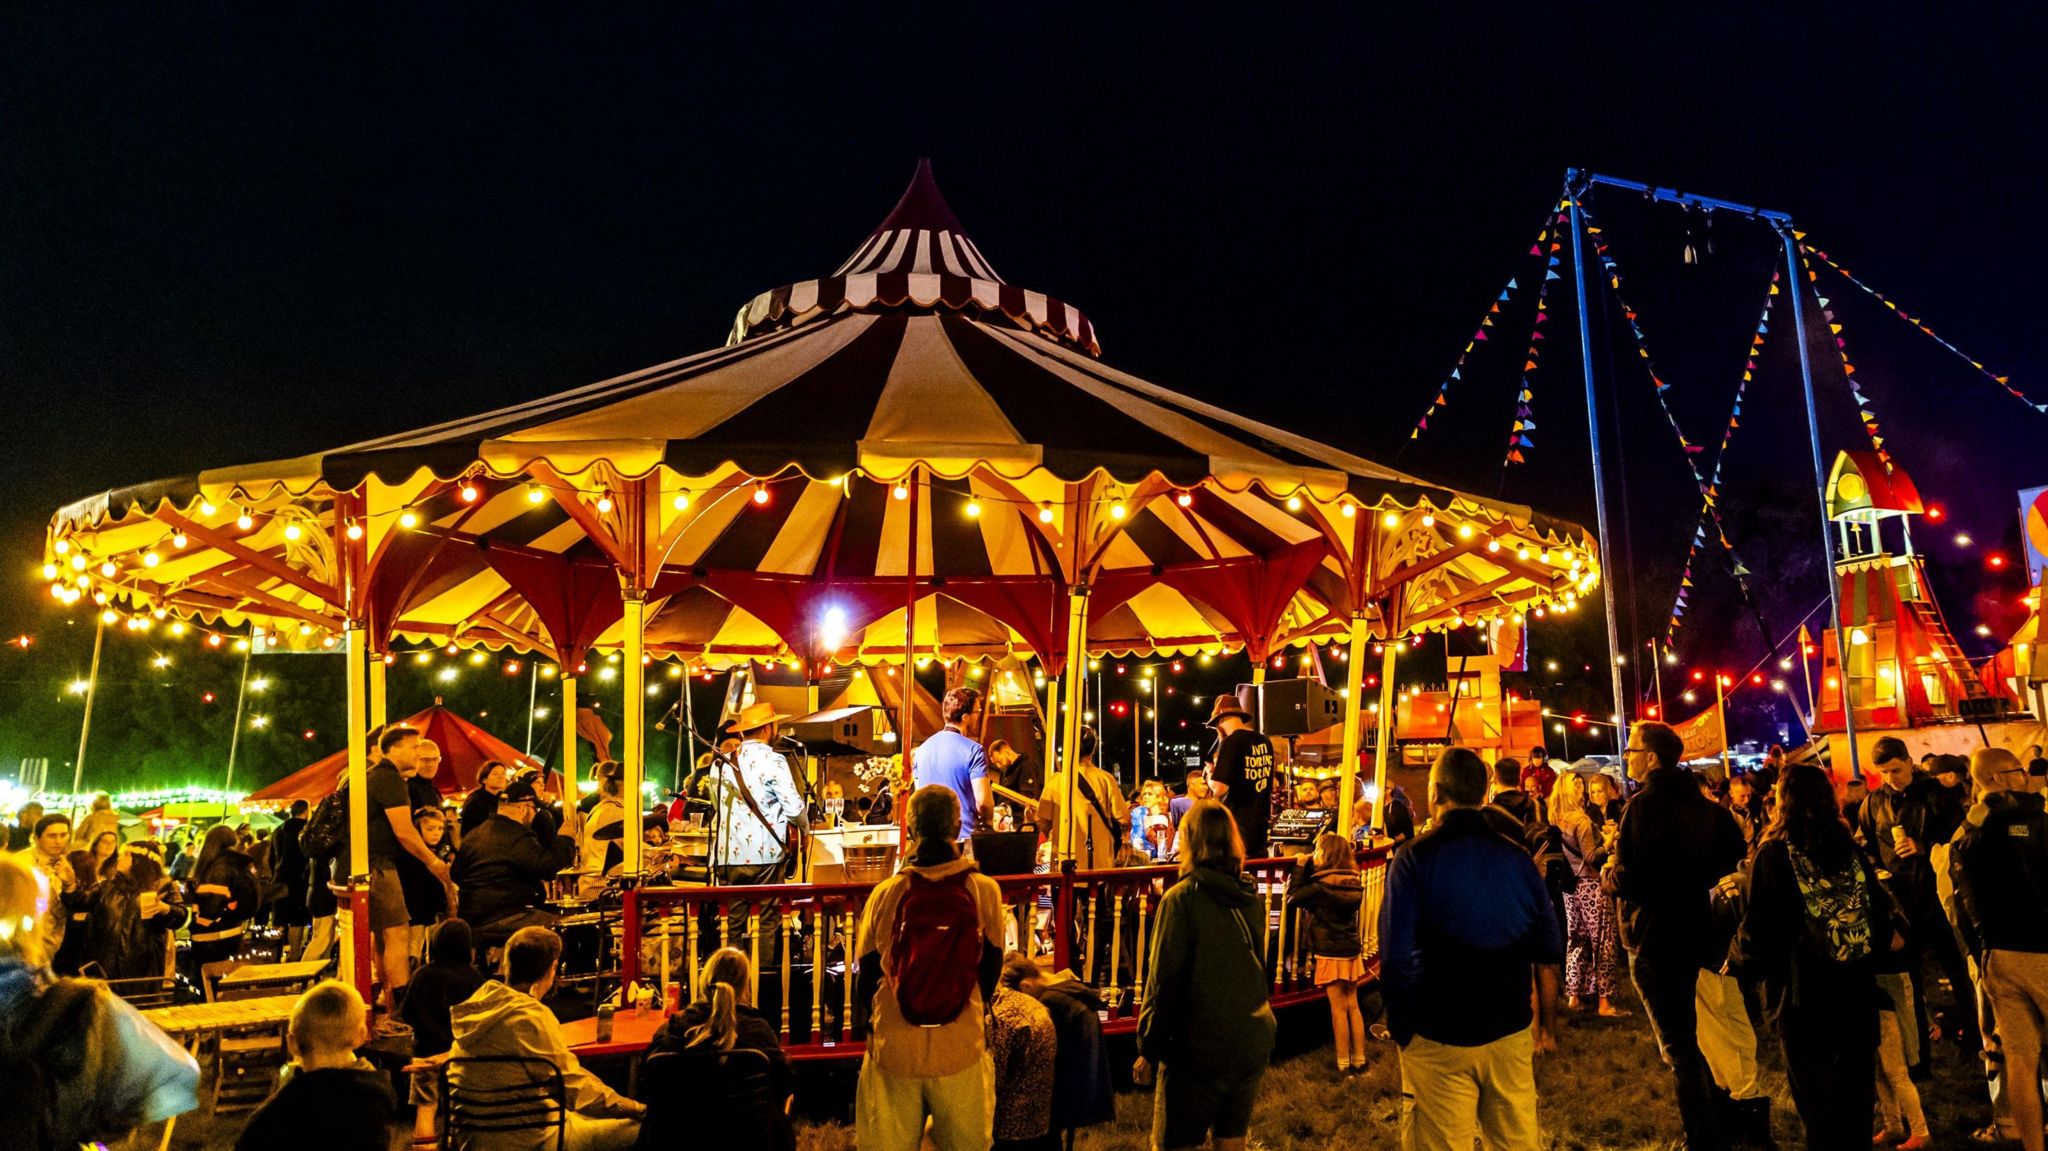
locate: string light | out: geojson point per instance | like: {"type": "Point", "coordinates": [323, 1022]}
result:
{"type": "Point", "coordinates": [1186, 499]}
{"type": "Point", "coordinates": [292, 531]}
{"type": "Point", "coordinates": [973, 509]}
{"type": "Point", "coordinates": [535, 494]}
{"type": "Point", "coordinates": [49, 571]}
{"type": "Point", "coordinates": [354, 530]}
{"type": "Point", "coordinates": [107, 569]}
{"type": "Point", "coordinates": [1293, 503]}
{"type": "Point", "coordinates": [1391, 520]}
{"type": "Point", "coordinates": [604, 503]}
{"type": "Point", "coordinates": [245, 521]}
{"type": "Point", "coordinates": [78, 563]}
{"type": "Point", "coordinates": [1045, 513]}
{"type": "Point", "coordinates": [1116, 510]}
{"type": "Point", "coordinates": [178, 540]}
{"type": "Point", "coordinates": [408, 519]}
{"type": "Point", "coordinates": [681, 502]}
{"type": "Point", "coordinates": [207, 509]}
{"type": "Point", "coordinates": [1464, 531]}
{"type": "Point", "coordinates": [63, 547]}
{"type": "Point", "coordinates": [108, 616]}
{"type": "Point", "coordinates": [760, 492]}
{"type": "Point", "coordinates": [1429, 519]}
{"type": "Point", "coordinates": [213, 641]}
{"type": "Point", "coordinates": [1347, 510]}
{"type": "Point", "coordinates": [900, 491]}
{"type": "Point", "coordinates": [469, 493]}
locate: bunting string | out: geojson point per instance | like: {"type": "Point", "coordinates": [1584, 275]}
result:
{"type": "Point", "coordinates": [1525, 396]}
{"type": "Point", "coordinates": [1486, 323]}
{"type": "Point", "coordinates": [1871, 426]}
{"type": "Point", "coordinates": [2004, 382]}
{"type": "Point", "coordinates": [1708, 502]}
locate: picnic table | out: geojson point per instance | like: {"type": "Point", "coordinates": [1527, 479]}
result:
{"type": "Point", "coordinates": [199, 1018]}
{"type": "Point", "coordinates": [255, 974]}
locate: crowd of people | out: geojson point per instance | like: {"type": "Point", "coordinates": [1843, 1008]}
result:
{"type": "Point", "coordinates": [1774, 903]}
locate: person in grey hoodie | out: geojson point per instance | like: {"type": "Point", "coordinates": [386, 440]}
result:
{"type": "Point", "coordinates": [1206, 1026]}
{"type": "Point", "coordinates": [509, 1019]}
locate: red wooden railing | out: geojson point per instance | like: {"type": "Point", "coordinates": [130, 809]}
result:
{"type": "Point", "coordinates": [1096, 923]}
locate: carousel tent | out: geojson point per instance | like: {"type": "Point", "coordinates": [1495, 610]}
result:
{"type": "Point", "coordinates": [465, 748]}
{"type": "Point", "coordinates": [907, 459]}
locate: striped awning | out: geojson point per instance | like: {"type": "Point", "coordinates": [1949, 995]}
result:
{"type": "Point", "coordinates": [794, 494]}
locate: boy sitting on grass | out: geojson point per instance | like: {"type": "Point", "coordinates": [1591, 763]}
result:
{"type": "Point", "coordinates": [327, 1098]}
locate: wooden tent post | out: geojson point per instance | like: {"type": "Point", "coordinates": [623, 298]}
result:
{"type": "Point", "coordinates": [379, 700]}
{"type": "Point", "coordinates": [356, 945]}
{"type": "Point", "coordinates": [569, 793]}
{"type": "Point", "coordinates": [1354, 716]}
{"type": "Point", "coordinates": [1070, 713]}
{"type": "Point", "coordinates": [634, 624]}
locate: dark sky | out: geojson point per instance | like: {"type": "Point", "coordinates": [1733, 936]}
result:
{"type": "Point", "coordinates": [236, 237]}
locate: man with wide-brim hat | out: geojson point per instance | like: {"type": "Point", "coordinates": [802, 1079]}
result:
{"type": "Point", "coordinates": [757, 804]}
{"type": "Point", "coordinates": [1242, 772]}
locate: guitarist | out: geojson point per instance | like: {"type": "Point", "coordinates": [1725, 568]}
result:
{"type": "Point", "coordinates": [759, 809]}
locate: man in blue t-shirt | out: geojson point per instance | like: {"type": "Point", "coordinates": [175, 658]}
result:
{"type": "Point", "coordinates": [950, 759]}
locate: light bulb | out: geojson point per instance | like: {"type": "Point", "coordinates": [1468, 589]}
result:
{"type": "Point", "coordinates": [245, 521]}
{"type": "Point", "coordinates": [49, 571]}
{"type": "Point", "coordinates": [354, 530]}
{"type": "Point", "coordinates": [1116, 511]}
{"type": "Point", "coordinates": [604, 502]}
{"type": "Point", "coordinates": [1293, 503]}
{"type": "Point", "coordinates": [292, 531]}
{"type": "Point", "coordinates": [107, 569]}
{"type": "Point", "coordinates": [1493, 545]}
{"type": "Point", "coordinates": [973, 509]}
{"type": "Point", "coordinates": [1045, 513]}
{"type": "Point", "coordinates": [535, 494]}
{"type": "Point", "coordinates": [178, 540]}
{"type": "Point", "coordinates": [1464, 531]}
{"type": "Point", "coordinates": [469, 493]}
{"type": "Point", "coordinates": [900, 491]}
{"type": "Point", "coordinates": [681, 501]}
{"type": "Point", "coordinates": [207, 509]}
{"type": "Point", "coordinates": [1391, 520]}
{"type": "Point", "coordinates": [1185, 499]}
{"type": "Point", "coordinates": [151, 559]}
{"type": "Point", "coordinates": [1347, 510]}
{"type": "Point", "coordinates": [760, 492]}
{"type": "Point", "coordinates": [408, 519]}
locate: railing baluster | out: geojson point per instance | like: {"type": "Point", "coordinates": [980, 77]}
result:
{"type": "Point", "coordinates": [846, 983]}
{"type": "Point", "coordinates": [818, 932]}
{"type": "Point", "coordinates": [782, 955]}
{"type": "Point", "coordinates": [1088, 964]}
{"type": "Point", "coordinates": [1144, 945]}
{"type": "Point", "coordinates": [1116, 933]}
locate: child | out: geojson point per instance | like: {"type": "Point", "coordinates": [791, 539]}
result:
{"type": "Point", "coordinates": [327, 1099]}
{"type": "Point", "coordinates": [449, 977]}
{"type": "Point", "coordinates": [1327, 887]}
{"type": "Point", "coordinates": [426, 900]}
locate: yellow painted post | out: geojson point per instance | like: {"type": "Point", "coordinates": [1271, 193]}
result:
{"type": "Point", "coordinates": [1354, 724]}
{"type": "Point", "coordinates": [1070, 711]}
{"type": "Point", "coordinates": [1384, 742]}
{"type": "Point", "coordinates": [569, 793]}
{"type": "Point", "coordinates": [379, 711]}
{"type": "Point", "coordinates": [634, 624]}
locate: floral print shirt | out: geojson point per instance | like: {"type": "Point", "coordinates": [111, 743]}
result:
{"type": "Point", "coordinates": [744, 839]}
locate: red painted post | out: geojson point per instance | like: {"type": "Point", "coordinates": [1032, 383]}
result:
{"type": "Point", "coordinates": [1063, 918]}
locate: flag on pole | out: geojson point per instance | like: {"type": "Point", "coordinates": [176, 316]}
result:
{"type": "Point", "coordinates": [1702, 734]}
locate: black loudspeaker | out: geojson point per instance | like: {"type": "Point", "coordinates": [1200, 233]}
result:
{"type": "Point", "coordinates": [1294, 706]}
{"type": "Point", "coordinates": [1006, 852]}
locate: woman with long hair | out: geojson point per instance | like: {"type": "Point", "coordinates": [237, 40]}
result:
{"type": "Point", "coordinates": [1816, 921]}
{"type": "Point", "coordinates": [1590, 929]}
{"type": "Point", "coordinates": [1150, 832]}
{"type": "Point", "coordinates": [1206, 1026]}
{"type": "Point", "coordinates": [723, 1018]}
{"type": "Point", "coordinates": [134, 917]}
{"type": "Point", "coordinates": [1327, 887]}
{"type": "Point", "coordinates": [225, 897]}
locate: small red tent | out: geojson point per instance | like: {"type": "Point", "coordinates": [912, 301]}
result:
{"type": "Point", "coordinates": [464, 748]}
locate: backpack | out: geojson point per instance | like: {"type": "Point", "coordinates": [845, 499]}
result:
{"type": "Point", "coordinates": [935, 956]}
{"type": "Point", "coordinates": [1546, 846]}
{"type": "Point", "coordinates": [1836, 908]}
{"type": "Point", "coordinates": [326, 832]}
{"type": "Point", "coordinates": [45, 1050]}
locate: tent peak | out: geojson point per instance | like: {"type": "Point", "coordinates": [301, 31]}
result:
{"type": "Point", "coordinates": [921, 207]}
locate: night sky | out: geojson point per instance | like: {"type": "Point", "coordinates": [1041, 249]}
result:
{"type": "Point", "coordinates": [240, 237]}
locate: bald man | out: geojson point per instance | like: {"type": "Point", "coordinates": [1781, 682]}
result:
{"type": "Point", "coordinates": [2002, 887]}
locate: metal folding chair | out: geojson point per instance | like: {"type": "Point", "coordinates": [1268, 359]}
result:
{"type": "Point", "coordinates": [486, 1098]}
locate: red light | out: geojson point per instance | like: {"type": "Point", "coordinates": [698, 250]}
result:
{"type": "Point", "coordinates": [1935, 513]}
{"type": "Point", "coordinates": [1994, 560]}
{"type": "Point", "coordinates": [309, 735]}
{"type": "Point", "coordinates": [1279, 661]}
{"type": "Point", "coordinates": [1176, 667]}
{"type": "Point", "coordinates": [1120, 669]}
{"type": "Point", "coordinates": [205, 697]}
{"type": "Point", "coordinates": [1699, 676]}
{"type": "Point", "coordinates": [1653, 711]}
{"type": "Point", "coordinates": [1372, 681]}
{"type": "Point", "coordinates": [23, 641]}
{"type": "Point", "coordinates": [1183, 723]}
{"type": "Point", "coordinates": [511, 667]}
{"type": "Point", "coordinates": [1757, 678]}
{"type": "Point", "coordinates": [1807, 649]}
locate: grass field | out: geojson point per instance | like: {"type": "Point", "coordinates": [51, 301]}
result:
{"type": "Point", "coordinates": [1605, 1089]}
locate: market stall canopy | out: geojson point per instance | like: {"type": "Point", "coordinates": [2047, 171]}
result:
{"type": "Point", "coordinates": [465, 748]}
{"type": "Point", "coordinates": [911, 443]}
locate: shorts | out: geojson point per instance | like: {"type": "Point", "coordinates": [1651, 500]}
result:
{"type": "Point", "coordinates": [387, 900]}
{"type": "Point", "coordinates": [1188, 1107]}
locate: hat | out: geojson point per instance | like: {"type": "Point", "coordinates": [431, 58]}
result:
{"type": "Point", "coordinates": [756, 715]}
{"type": "Point", "coordinates": [519, 791]}
{"type": "Point", "coordinates": [1226, 704]}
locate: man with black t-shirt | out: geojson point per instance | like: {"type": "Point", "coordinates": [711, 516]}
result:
{"type": "Point", "coordinates": [1243, 773]}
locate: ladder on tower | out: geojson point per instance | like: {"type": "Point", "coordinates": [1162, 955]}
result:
{"type": "Point", "coordinates": [1957, 665]}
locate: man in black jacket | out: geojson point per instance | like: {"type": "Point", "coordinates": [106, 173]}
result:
{"type": "Point", "coordinates": [2002, 886]}
{"type": "Point", "coordinates": [503, 867]}
{"type": "Point", "coordinates": [1901, 820]}
{"type": "Point", "coordinates": [1675, 844]}
{"type": "Point", "coordinates": [288, 863]}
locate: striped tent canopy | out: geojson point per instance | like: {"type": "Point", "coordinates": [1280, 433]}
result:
{"type": "Point", "coordinates": [908, 441]}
